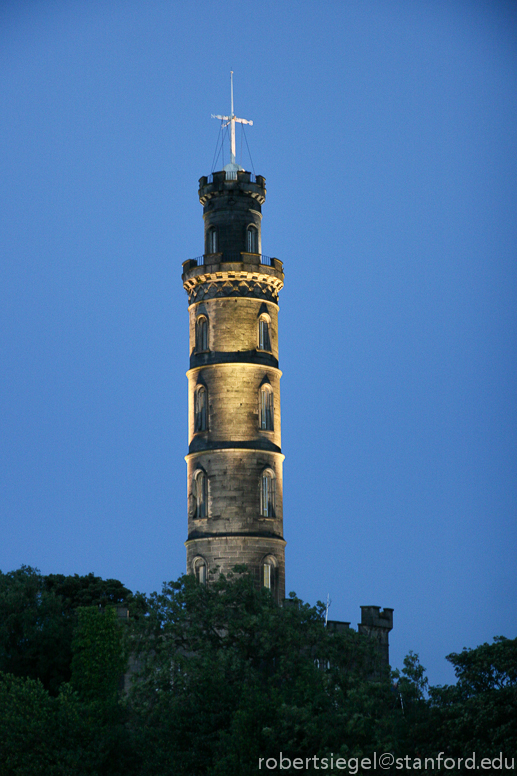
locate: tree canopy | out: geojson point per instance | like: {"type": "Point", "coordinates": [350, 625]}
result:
{"type": "Point", "coordinates": [228, 676]}
{"type": "Point", "coordinates": [221, 677]}
{"type": "Point", "coordinates": [38, 616]}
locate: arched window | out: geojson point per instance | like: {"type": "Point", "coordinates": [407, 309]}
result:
{"type": "Point", "coordinates": [200, 570]}
{"type": "Point", "coordinates": [252, 239]}
{"type": "Point", "coordinates": [266, 408]}
{"type": "Point", "coordinates": [268, 573]}
{"type": "Point", "coordinates": [201, 334]}
{"type": "Point", "coordinates": [200, 493]}
{"type": "Point", "coordinates": [264, 341]}
{"type": "Point", "coordinates": [267, 493]}
{"type": "Point", "coordinates": [212, 241]}
{"type": "Point", "coordinates": [200, 409]}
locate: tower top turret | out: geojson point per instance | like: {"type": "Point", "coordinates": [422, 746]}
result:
{"type": "Point", "coordinates": [230, 121]}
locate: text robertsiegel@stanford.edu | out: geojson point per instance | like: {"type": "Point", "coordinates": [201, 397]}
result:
{"type": "Point", "coordinates": [386, 761]}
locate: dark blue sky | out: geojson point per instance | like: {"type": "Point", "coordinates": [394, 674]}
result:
{"type": "Point", "coordinates": [387, 135]}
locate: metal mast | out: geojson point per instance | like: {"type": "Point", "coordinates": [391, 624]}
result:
{"type": "Point", "coordinates": [230, 121]}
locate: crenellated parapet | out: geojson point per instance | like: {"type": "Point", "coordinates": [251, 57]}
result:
{"type": "Point", "coordinates": [375, 617]}
{"type": "Point", "coordinates": [219, 184]}
{"type": "Point", "coordinates": [216, 277]}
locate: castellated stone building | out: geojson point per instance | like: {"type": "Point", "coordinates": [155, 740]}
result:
{"type": "Point", "coordinates": [234, 463]}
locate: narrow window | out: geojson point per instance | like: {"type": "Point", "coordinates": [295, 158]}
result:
{"type": "Point", "coordinates": [267, 494]}
{"type": "Point", "coordinates": [264, 341]}
{"type": "Point", "coordinates": [201, 334]}
{"type": "Point", "coordinates": [268, 572]}
{"type": "Point", "coordinates": [252, 239]}
{"type": "Point", "coordinates": [200, 409]}
{"type": "Point", "coordinates": [212, 241]}
{"type": "Point", "coordinates": [201, 493]}
{"type": "Point", "coordinates": [200, 570]}
{"type": "Point", "coordinates": [266, 408]}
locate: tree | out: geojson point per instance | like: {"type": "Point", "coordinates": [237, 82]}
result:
{"type": "Point", "coordinates": [83, 729]}
{"type": "Point", "coordinates": [38, 618]}
{"type": "Point", "coordinates": [98, 662]}
{"type": "Point", "coordinates": [41, 735]}
{"type": "Point", "coordinates": [486, 668]}
{"type": "Point", "coordinates": [33, 632]}
{"type": "Point", "coordinates": [224, 676]}
{"type": "Point", "coordinates": [477, 714]}
{"type": "Point", "coordinates": [227, 676]}
{"type": "Point", "coordinates": [98, 667]}
{"type": "Point", "coordinates": [87, 590]}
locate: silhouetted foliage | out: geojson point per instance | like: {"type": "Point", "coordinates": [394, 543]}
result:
{"type": "Point", "coordinates": [222, 677]}
{"type": "Point", "coordinates": [478, 714]}
{"type": "Point", "coordinates": [38, 616]}
{"type": "Point", "coordinates": [227, 676]}
{"type": "Point", "coordinates": [41, 735]}
{"type": "Point", "coordinates": [87, 590]}
{"type": "Point", "coordinates": [34, 636]}
{"type": "Point", "coordinates": [98, 662]}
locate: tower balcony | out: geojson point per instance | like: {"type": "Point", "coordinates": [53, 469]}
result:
{"type": "Point", "coordinates": [232, 257]}
{"type": "Point", "coordinates": [233, 273]}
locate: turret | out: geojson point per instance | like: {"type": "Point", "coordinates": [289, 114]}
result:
{"type": "Point", "coordinates": [377, 623]}
{"type": "Point", "coordinates": [232, 211]}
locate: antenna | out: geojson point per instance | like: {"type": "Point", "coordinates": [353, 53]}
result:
{"type": "Point", "coordinates": [230, 121]}
{"type": "Point", "coordinates": [327, 607]}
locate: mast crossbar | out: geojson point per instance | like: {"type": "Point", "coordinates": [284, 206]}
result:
{"type": "Point", "coordinates": [231, 120]}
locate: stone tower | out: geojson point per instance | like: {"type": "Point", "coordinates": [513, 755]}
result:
{"type": "Point", "coordinates": [234, 463]}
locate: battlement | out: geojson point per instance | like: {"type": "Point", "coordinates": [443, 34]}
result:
{"type": "Point", "coordinates": [337, 626]}
{"type": "Point", "coordinates": [232, 275]}
{"type": "Point", "coordinates": [375, 617]}
{"type": "Point", "coordinates": [228, 181]}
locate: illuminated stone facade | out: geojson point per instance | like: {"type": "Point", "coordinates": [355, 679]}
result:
{"type": "Point", "coordinates": [234, 464]}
